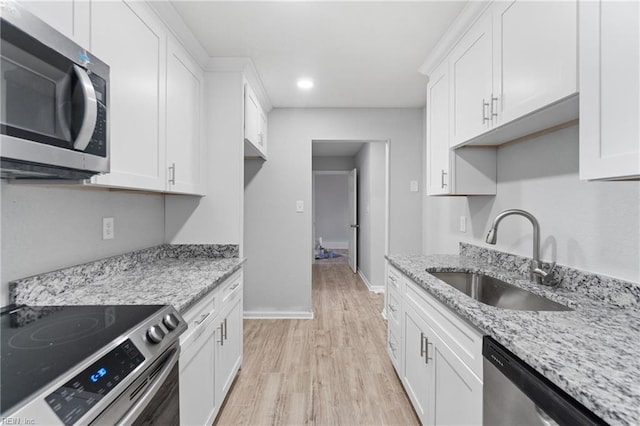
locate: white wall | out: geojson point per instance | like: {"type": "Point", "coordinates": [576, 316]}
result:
{"type": "Point", "coordinates": [333, 163]}
{"type": "Point", "coordinates": [278, 241]}
{"type": "Point", "coordinates": [54, 227]}
{"type": "Point", "coordinates": [593, 226]}
{"type": "Point", "coordinates": [370, 162]}
{"type": "Point", "coordinates": [332, 210]}
{"type": "Point", "coordinates": [216, 218]}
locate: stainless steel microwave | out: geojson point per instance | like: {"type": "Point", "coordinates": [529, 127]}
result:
{"type": "Point", "coordinates": [54, 102]}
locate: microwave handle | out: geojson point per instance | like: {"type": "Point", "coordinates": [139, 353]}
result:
{"type": "Point", "coordinates": [90, 115]}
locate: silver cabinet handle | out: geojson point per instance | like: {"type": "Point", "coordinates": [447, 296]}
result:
{"type": "Point", "coordinates": [202, 318]}
{"type": "Point", "coordinates": [485, 117]}
{"type": "Point", "coordinates": [391, 307]}
{"type": "Point", "coordinates": [233, 287]}
{"type": "Point", "coordinates": [221, 341]}
{"type": "Point", "coordinates": [494, 113]}
{"type": "Point", "coordinates": [422, 352]}
{"type": "Point", "coordinates": [442, 175]}
{"type": "Point", "coordinates": [392, 279]}
{"type": "Point", "coordinates": [225, 329]}
{"type": "Point", "coordinates": [427, 358]}
{"type": "Point", "coordinates": [172, 170]}
{"type": "Point", "coordinates": [90, 113]}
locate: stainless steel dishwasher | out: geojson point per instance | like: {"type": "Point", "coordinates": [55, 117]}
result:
{"type": "Point", "coordinates": [516, 394]}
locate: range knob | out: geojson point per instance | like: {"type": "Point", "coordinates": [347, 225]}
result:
{"type": "Point", "coordinates": [155, 334]}
{"type": "Point", "coordinates": [170, 321]}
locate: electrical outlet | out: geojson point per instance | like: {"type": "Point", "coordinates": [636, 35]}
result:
{"type": "Point", "coordinates": [299, 206]}
{"type": "Point", "coordinates": [413, 186]}
{"type": "Point", "coordinates": [108, 228]}
{"type": "Point", "coordinates": [463, 224]}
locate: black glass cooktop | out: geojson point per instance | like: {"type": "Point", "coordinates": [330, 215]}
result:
{"type": "Point", "coordinates": [39, 344]}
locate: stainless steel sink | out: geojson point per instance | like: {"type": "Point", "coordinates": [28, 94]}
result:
{"type": "Point", "coordinates": [495, 292]}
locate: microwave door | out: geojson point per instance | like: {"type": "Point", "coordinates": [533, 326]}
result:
{"type": "Point", "coordinates": [85, 109]}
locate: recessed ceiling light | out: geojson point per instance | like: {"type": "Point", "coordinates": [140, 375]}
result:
{"type": "Point", "coordinates": [305, 83]}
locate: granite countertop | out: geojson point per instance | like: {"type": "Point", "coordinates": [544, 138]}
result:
{"type": "Point", "coordinates": [177, 275]}
{"type": "Point", "coordinates": [591, 353]}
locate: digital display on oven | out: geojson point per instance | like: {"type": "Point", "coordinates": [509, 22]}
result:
{"type": "Point", "coordinates": [72, 400]}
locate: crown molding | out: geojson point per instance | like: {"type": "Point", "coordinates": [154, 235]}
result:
{"type": "Point", "coordinates": [456, 30]}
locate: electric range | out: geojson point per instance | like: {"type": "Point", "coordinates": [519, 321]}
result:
{"type": "Point", "coordinates": [70, 364]}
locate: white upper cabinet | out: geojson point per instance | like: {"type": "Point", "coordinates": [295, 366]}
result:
{"type": "Point", "coordinates": [513, 70]}
{"type": "Point", "coordinates": [184, 122]}
{"type": "Point", "coordinates": [469, 171]}
{"type": "Point", "coordinates": [70, 17]}
{"type": "Point", "coordinates": [255, 126]}
{"type": "Point", "coordinates": [535, 56]}
{"type": "Point", "coordinates": [609, 90]}
{"type": "Point", "coordinates": [438, 131]}
{"type": "Point", "coordinates": [137, 92]}
{"type": "Point", "coordinates": [471, 79]}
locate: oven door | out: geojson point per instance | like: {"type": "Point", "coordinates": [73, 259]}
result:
{"type": "Point", "coordinates": [152, 399]}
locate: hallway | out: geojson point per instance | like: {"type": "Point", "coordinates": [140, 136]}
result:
{"type": "Point", "coordinates": [331, 370]}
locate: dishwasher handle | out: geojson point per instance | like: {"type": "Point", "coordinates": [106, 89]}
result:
{"type": "Point", "coordinates": [549, 398]}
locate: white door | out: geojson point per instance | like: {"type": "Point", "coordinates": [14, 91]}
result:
{"type": "Point", "coordinates": [353, 217]}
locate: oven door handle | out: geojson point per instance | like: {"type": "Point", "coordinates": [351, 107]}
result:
{"type": "Point", "coordinates": [151, 392]}
{"type": "Point", "coordinates": [90, 114]}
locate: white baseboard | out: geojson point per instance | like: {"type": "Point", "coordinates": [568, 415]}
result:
{"type": "Point", "coordinates": [372, 288]}
{"type": "Point", "coordinates": [278, 315]}
{"type": "Point", "coordinates": [340, 245]}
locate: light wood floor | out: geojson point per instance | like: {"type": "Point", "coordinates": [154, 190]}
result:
{"type": "Point", "coordinates": [332, 370]}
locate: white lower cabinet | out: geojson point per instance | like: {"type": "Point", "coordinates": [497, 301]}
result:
{"type": "Point", "coordinates": [211, 352]}
{"type": "Point", "coordinates": [441, 359]}
{"type": "Point", "coordinates": [229, 347]}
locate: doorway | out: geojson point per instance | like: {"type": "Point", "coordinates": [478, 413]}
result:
{"type": "Point", "coordinates": [350, 206]}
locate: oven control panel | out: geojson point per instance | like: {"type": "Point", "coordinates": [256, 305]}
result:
{"type": "Point", "coordinates": [72, 400]}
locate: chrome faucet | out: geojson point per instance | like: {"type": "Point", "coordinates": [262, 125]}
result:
{"type": "Point", "coordinates": [538, 274]}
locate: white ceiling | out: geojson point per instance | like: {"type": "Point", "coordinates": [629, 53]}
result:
{"type": "Point", "coordinates": [359, 53]}
{"type": "Point", "coordinates": [335, 148]}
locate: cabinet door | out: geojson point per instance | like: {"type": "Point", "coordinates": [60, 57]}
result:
{"type": "Point", "coordinates": [609, 90]}
{"type": "Point", "coordinates": [136, 57]}
{"type": "Point", "coordinates": [197, 377]}
{"type": "Point", "coordinates": [438, 110]}
{"type": "Point", "coordinates": [535, 56]}
{"type": "Point", "coordinates": [184, 106]}
{"type": "Point", "coordinates": [251, 116]}
{"type": "Point", "coordinates": [416, 374]}
{"type": "Point", "coordinates": [455, 393]}
{"type": "Point", "coordinates": [262, 134]}
{"type": "Point", "coordinates": [229, 348]}
{"type": "Point", "coordinates": [471, 82]}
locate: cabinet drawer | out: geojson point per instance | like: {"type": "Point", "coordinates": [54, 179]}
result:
{"type": "Point", "coordinates": [394, 279]}
{"type": "Point", "coordinates": [199, 315]}
{"type": "Point", "coordinates": [394, 310]}
{"type": "Point", "coordinates": [232, 288]}
{"type": "Point", "coordinates": [463, 339]}
{"type": "Point", "coordinates": [393, 348]}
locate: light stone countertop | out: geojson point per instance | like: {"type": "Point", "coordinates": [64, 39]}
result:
{"type": "Point", "coordinates": [177, 275]}
{"type": "Point", "coordinates": [592, 353]}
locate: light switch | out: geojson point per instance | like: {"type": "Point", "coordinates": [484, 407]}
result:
{"type": "Point", "coordinates": [413, 187]}
{"type": "Point", "coordinates": [299, 206]}
{"type": "Point", "coordinates": [463, 224]}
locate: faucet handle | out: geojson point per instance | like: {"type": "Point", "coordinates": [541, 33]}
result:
{"type": "Point", "coordinates": [547, 277]}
